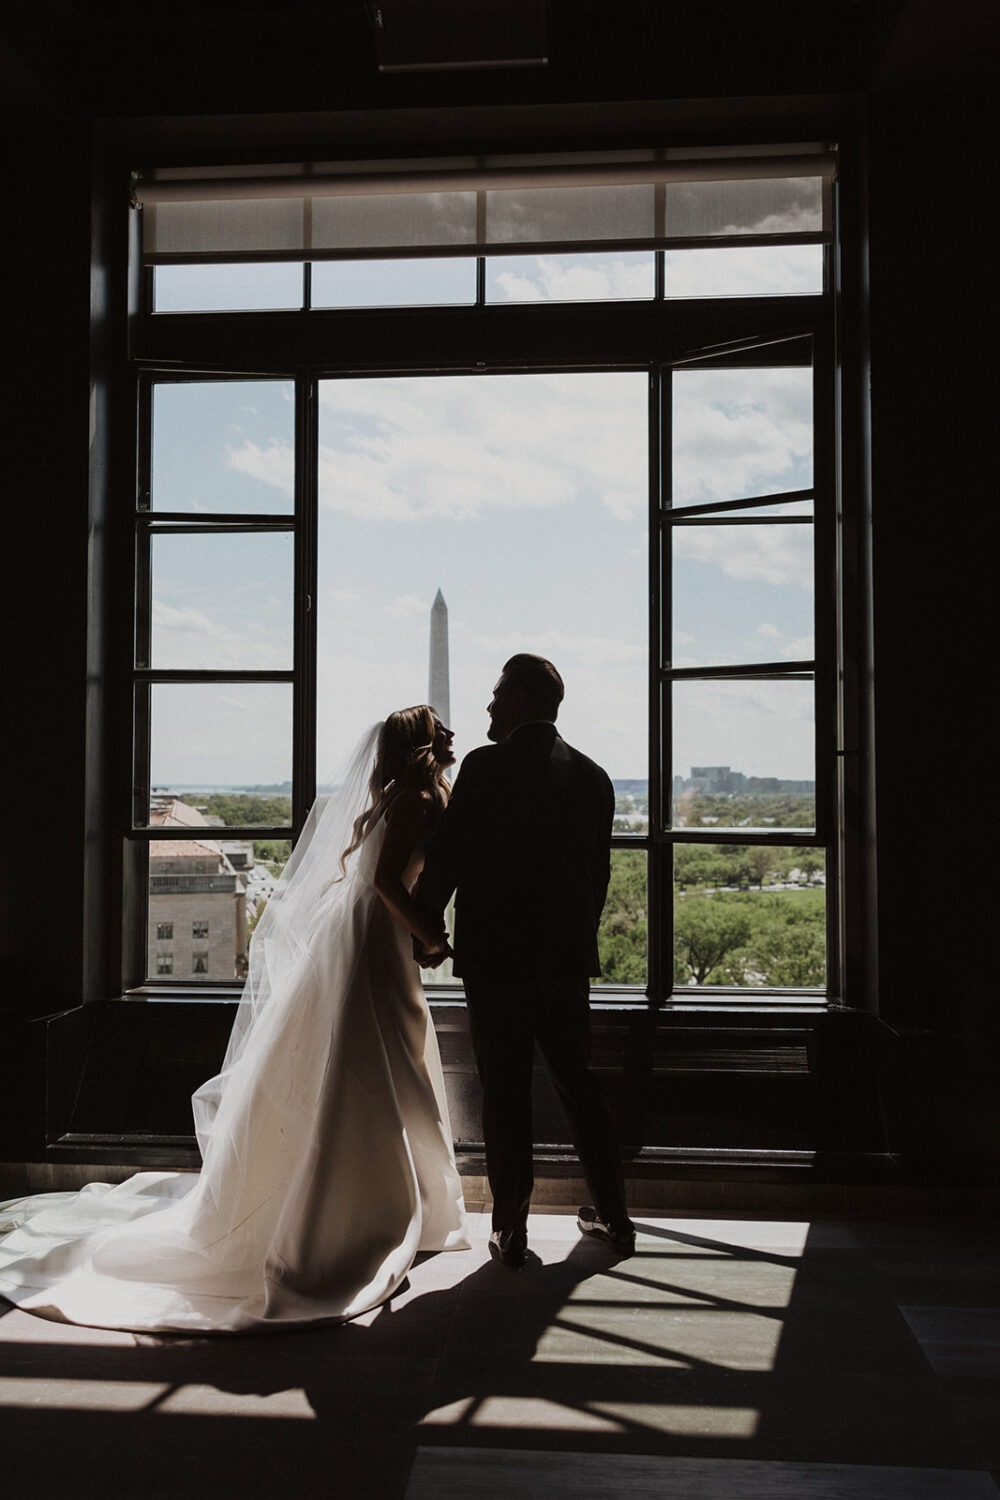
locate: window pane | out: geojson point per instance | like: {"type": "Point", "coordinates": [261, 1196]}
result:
{"type": "Point", "coordinates": [392, 219]}
{"type": "Point", "coordinates": [740, 433]}
{"type": "Point", "coordinates": [745, 271]}
{"type": "Point", "coordinates": [523, 499]}
{"type": "Point", "coordinates": [767, 205]}
{"type": "Point", "coordinates": [742, 593]}
{"type": "Point", "coordinates": [591, 212]}
{"type": "Point", "coordinates": [205, 226]}
{"type": "Point", "coordinates": [224, 446]}
{"type": "Point", "coordinates": [222, 600]}
{"type": "Point", "coordinates": [571, 278]}
{"type": "Point", "coordinates": [237, 287]}
{"type": "Point", "coordinates": [220, 737]}
{"type": "Point", "coordinates": [748, 741]}
{"type": "Point", "coordinates": [441, 281]}
{"type": "Point", "coordinates": [750, 916]}
{"type": "Point", "coordinates": [622, 937]}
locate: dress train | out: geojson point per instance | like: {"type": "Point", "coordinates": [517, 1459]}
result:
{"type": "Point", "coordinates": [327, 1153]}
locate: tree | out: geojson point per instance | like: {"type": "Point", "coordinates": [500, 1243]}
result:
{"type": "Point", "coordinates": [809, 861]}
{"type": "Point", "coordinates": [788, 946]}
{"type": "Point", "coordinates": [760, 861]}
{"type": "Point", "coordinates": [706, 930]}
{"type": "Point", "coordinates": [622, 937]}
{"type": "Point", "coordinates": [247, 809]}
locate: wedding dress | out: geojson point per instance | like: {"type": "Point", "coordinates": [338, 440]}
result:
{"type": "Point", "coordinates": [326, 1147]}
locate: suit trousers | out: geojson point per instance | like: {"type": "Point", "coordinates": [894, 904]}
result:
{"type": "Point", "coordinates": [507, 1018]}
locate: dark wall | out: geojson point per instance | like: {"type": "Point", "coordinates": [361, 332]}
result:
{"type": "Point", "coordinates": [934, 431]}
{"type": "Point", "coordinates": [44, 340]}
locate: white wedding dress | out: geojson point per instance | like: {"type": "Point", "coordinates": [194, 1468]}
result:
{"type": "Point", "coordinates": [327, 1153]}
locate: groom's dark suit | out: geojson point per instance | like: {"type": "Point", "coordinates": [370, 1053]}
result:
{"type": "Point", "coordinates": [525, 846]}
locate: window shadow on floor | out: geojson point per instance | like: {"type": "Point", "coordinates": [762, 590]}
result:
{"type": "Point", "coordinates": [729, 1339]}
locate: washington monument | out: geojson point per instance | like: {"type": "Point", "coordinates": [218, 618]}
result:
{"type": "Point", "coordinates": [439, 693]}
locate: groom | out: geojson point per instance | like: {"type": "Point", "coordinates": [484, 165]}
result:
{"type": "Point", "coordinates": [525, 845]}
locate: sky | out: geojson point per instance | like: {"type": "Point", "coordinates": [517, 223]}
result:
{"type": "Point", "coordinates": [524, 499]}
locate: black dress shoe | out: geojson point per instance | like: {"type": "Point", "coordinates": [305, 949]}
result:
{"type": "Point", "coordinates": [509, 1247]}
{"type": "Point", "coordinates": [620, 1237]}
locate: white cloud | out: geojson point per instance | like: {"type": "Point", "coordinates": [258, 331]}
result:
{"type": "Point", "coordinates": [771, 632]}
{"type": "Point", "coordinates": [185, 637]}
{"type": "Point", "coordinates": [169, 617]}
{"type": "Point", "coordinates": [803, 649]}
{"type": "Point", "coordinates": [273, 464]}
{"type": "Point", "coordinates": [745, 271]}
{"type": "Point", "coordinates": [738, 433]}
{"type": "Point", "coordinates": [405, 449]}
{"type": "Point", "coordinates": [553, 279]}
{"type": "Point", "coordinates": [778, 555]}
{"type": "Point", "coordinates": [592, 650]}
{"type": "Point", "coordinates": [408, 606]}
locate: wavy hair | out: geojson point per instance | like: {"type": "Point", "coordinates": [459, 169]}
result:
{"type": "Point", "coordinates": [404, 757]}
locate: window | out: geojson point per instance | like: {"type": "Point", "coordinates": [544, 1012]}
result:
{"type": "Point", "coordinates": [164, 963]}
{"type": "Point", "coordinates": [592, 411]}
{"type": "Point", "coordinates": [164, 931]}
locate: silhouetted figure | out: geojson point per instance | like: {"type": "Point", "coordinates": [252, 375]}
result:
{"type": "Point", "coordinates": [525, 845]}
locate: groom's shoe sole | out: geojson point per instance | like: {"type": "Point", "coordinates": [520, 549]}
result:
{"type": "Point", "coordinates": [508, 1249]}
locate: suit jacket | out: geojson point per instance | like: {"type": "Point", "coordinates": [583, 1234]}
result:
{"type": "Point", "coordinates": [525, 845]}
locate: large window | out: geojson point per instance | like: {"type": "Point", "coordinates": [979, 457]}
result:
{"type": "Point", "coordinates": [585, 411]}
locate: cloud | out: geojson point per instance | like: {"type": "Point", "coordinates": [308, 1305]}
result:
{"type": "Point", "coordinates": [408, 606]}
{"type": "Point", "coordinates": [779, 555]}
{"type": "Point", "coordinates": [273, 464]}
{"type": "Point", "coordinates": [738, 433]}
{"type": "Point", "coordinates": [745, 270]}
{"type": "Point", "coordinates": [592, 650]}
{"type": "Point", "coordinates": [802, 649]}
{"type": "Point", "coordinates": [453, 447]}
{"type": "Point", "coordinates": [770, 631]}
{"type": "Point", "coordinates": [185, 637]}
{"type": "Point", "coordinates": [557, 279]}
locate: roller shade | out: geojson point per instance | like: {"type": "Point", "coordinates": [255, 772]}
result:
{"type": "Point", "coordinates": [509, 210]}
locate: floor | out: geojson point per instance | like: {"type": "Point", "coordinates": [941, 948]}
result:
{"type": "Point", "coordinates": [743, 1356]}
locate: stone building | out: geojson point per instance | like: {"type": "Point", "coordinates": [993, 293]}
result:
{"type": "Point", "coordinates": [197, 924]}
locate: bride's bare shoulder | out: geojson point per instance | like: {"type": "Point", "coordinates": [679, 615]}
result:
{"type": "Point", "coordinates": [408, 803]}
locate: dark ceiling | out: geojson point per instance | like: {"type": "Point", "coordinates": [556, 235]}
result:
{"type": "Point", "coordinates": [95, 58]}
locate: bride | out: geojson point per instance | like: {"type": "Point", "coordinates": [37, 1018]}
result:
{"type": "Point", "coordinates": [327, 1157]}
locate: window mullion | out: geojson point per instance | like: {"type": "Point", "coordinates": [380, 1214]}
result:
{"type": "Point", "coordinates": [304, 691]}
{"type": "Point", "coordinates": [660, 872]}
{"type": "Point", "coordinates": [830, 812]}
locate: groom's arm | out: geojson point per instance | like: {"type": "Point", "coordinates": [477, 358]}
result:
{"type": "Point", "coordinates": [453, 846]}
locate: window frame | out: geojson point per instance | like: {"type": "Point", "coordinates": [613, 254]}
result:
{"type": "Point", "coordinates": [655, 336]}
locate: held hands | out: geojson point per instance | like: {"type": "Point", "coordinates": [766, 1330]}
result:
{"type": "Point", "coordinates": [431, 957]}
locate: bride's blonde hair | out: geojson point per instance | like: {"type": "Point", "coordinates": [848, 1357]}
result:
{"type": "Point", "coordinates": [404, 757]}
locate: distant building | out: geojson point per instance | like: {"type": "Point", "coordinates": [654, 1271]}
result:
{"type": "Point", "coordinates": [723, 781]}
{"type": "Point", "coordinates": [197, 924]}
